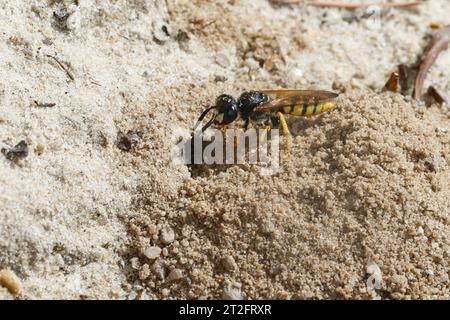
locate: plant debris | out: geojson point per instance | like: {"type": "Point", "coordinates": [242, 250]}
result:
{"type": "Point", "coordinates": [44, 105]}
{"type": "Point", "coordinates": [437, 95]}
{"type": "Point", "coordinates": [439, 43]}
{"type": "Point", "coordinates": [66, 69]}
{"type": "Point", "coordinates": [392, 83]}
{"type": "Point", "coordinates": [352, 6]}
{"type": "Point", "coordinates": [404, 78]}
{"type": "Point", "coordinates": [19, 151]}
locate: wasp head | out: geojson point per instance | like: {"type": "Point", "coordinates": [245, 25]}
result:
{"type": "Point", "coordinates": [225, 112]}
{"type": "Point", "coordinates": [227, 109]}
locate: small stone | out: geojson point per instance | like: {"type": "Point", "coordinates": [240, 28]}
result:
{"type": "Point", "coordinates": [444, 277]}
{"type": "Point", "coordinates": [252, 64]}
{"type": "Point", "coordinates": [375, 279]}
{"type": "Point", "coordinates": [19, 151]}
{"type": "Point", "coordinates": [183, 40]}
{"type": "Point", "coordinates": [436, 163]}
{"type": "Point", "coordinates": [117, 292]}
{"type": "Point", "coordinates": [267, 227]}
{"type": "Point", "coordinates": [73, 22]}
{"type": "Point", "coordinates": [158, 269]}
{"type": "Point", "coordinates": [165, 292]}
{"type": "Point", "coordinates": [231, 294]}
{"type": "Point", "coordinates": [61, 15]}
{"type": "Point", "coordinates": [400, 280]}
{"type": "Point", "coordinates": [220, 78]}
{"type": "Point", "coordinates": [161, 32]}
{"type": "Point", "coordinates": [67, 18]}
{"type": "Point", "coordinates": [135, 263]}
{"type": "Point", "coordinates": [229, 264]}
{"type": "Point", "coordinates": [175, 274]}
{"type": "Point", "coordinates": [441, 131]}
{"type": "Point", "coordinates": [144, 272]}
{"type": "Point", "coordinates": [429, 272]}
{"type": "Point", "coordinates": [10, 281]}
{"type": "Point", "coordinates": [420, 230]}
{"type": "Point", "coordinates": [39, 149]}
{"type": "Point", "coordinates": [167, 236]}
{"type": "Point", "coordinates": [132, 295]}
{"type": "Point", "coordinates": [152, 252]}
{"type": "Point", "coordinates": [222, 60]}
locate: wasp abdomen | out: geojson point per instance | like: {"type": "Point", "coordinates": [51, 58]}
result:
{"type": "Point", "coordinates": [307, 110]}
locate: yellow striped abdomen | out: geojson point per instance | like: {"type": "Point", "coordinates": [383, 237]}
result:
{"type": "Point", "coordinates": [307, 110]}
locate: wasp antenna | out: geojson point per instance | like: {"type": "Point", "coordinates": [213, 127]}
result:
{"type": "Point", "coordinates": [208, 124]}
{"type": "Point", "coordinates": [202, 116]}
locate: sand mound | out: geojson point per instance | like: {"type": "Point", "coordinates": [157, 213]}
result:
{"type": "Point", "coordinates": [367, 183]}
{"type": "Point", "coordinates": [97, 209]}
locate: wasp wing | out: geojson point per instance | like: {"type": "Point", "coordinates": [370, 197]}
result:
{"type": "Point", "coordinates": [286, 97]}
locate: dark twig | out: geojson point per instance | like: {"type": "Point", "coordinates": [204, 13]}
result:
{"type": "Point", "coordinates": [354, 6]}
{"type": "Point", "coordinates": [440, 42]}
{"type": "Point", "coordinates": [44, 105]}
{"type": "Point", "coordinates": [437, 95]}
{"type": "Point", "coordinates": [350, 6]}
{"type": "Point", "coordinates": [69, 74]}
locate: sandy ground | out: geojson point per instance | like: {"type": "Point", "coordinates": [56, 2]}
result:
{"type": "Point", "coordinates": [362, 193]}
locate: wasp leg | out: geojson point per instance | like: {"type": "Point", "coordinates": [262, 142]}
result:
{"type": "Point", "coordinates": [263, 135]}
{"type": "Point", "coordinates": [236, 137]}
{"type": "Point", "coordinates": [247, 122]}
{"type": "Point", "coordinates": [284, 126]}
{"type": "Point", "coordinates": [224, 130]}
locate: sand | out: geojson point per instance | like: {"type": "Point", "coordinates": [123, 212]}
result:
{"type": "Point", "coordinates": [97, 209]}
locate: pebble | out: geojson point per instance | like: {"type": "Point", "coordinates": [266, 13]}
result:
{"type": "Point", "coordinates": [19, 151]}
{"type": "Point", "coordinates": [152, 252]}
{"type": "Point", "coordinates": [222, 60]}
{"type": "Point", "coordinates": [175, 274]}
{"type": "Point", "coordinates": [429, 272]}
{"type": "Point", "coordinates": [73, 22]}
{"type": "Point", "coordinates": [437, 163]}
{"type": "Point", "coordinates": [68, 18]}
{"type": "Point", "coordinates": [165, 292]}
{"type": "Point", "coordinates": [420, 230]}
{"type": "Point", "coordinates": [135, 263]}
{"type": "Point", "coordinates": [252, 64]}
{"type": "Point", "coordinates": [229, 264]}
{"type": "Point", "coordinates": [132, 295]}
{"type": "Point", "coordinates": [444, 276]}
{"type": "Point", "coordinates": [267, 227]}
{"type": "Point", "coordinates": [167, 236]}
{"type": "Point", "coordinates": [144, 272]}
{"type": "Point", "coordinates": [158, 269]}
{"type": "Point", "coordinates": [161, 32]}
{"type": "Point", "coordinates": [10, 281]}
{"type": "Point", "coordinates": [39, 149]}
{"type": "Point", "coordinates": [376, 277]}
{"type": "Point", "coordinates": [441, 131]}
{"type": "Point", "coordinates": [231, 294]}
{"type": "Point", "coordinates": [220, 78]}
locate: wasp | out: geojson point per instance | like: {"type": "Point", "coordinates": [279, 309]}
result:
{"type": "Point", "coordinates": [268, 106]}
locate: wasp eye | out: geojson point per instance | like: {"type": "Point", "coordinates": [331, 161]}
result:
{"type": "Point", "coordinates": [227, 110]}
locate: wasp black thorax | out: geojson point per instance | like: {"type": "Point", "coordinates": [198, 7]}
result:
{"type": "Point", "coordinates": [250, 100]}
